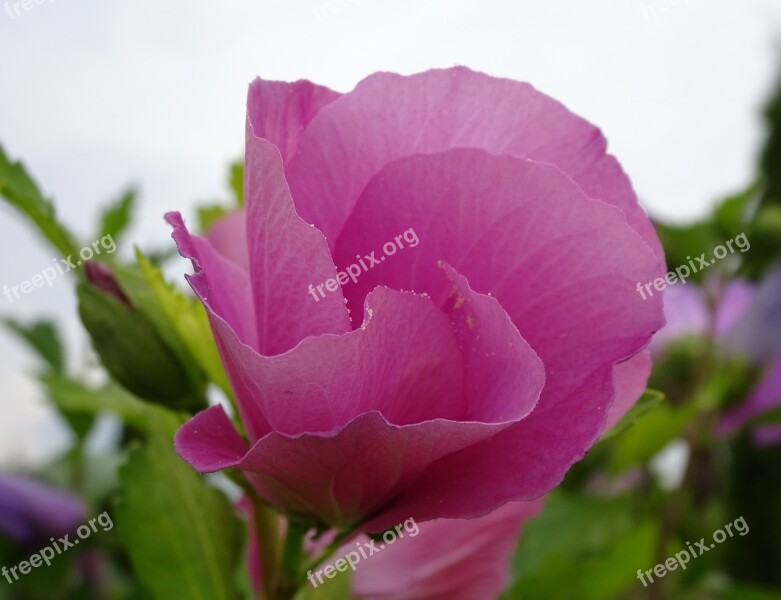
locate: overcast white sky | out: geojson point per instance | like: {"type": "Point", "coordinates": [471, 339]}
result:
{"type": "Point", "coordinates": [96, 94]}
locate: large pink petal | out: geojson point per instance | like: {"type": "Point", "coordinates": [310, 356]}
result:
{"type": "Point", "coordinates": [221, 284]}
{"type": "Point", "coordinates": [394, 386]}
{"type": "Point", "coordinates": [389, 116]}
{"type": "Point", "coordinates": [447, 559]}
{"type": "Point", "coordinates": [286, 255]}
{"type": "Point", "coordinates": [280, 111]}
{"type": "Point", "coordinates": [563, 266]}
{"type": "Point", "coordinates": [407, 361]}
{"type": "Point", "coordinates": [403, 362]}
{"type": "Point", "coordinates": [210, 442]}
{"type": "Point", "coordinates": [523, 462]}
{"type": "Point", "coordinates": [224, 288]}
{"type": "Point", "coordinates": [340, 477]}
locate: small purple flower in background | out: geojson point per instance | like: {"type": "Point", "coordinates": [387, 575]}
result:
{"type": "Point", "coordinates": [687, 313]}
{"type": "Point", "coordinates": [31, 511]}
{"type": "Point", "coordinates": [757, 335]}
{"type": "Point", "coordinates": [745, 323]}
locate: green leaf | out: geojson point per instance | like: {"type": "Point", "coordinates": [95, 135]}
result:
{"type": "Point", "coordinates": [181, 320]}
{"type": "Point", "coordinates": [182, 536]}
{"type": "Point", "coordinates": [118, 216]}
{"type": "Point", "coordinates": [598, 543]}
{"type": "Point", "coordinates": [19, 189]}
{"type": "Point", "coordinates": [615, 568]}
{"type": "Point", "coordinates": [771, 417]}
{"type": "Point", "coordinates": [731, 215]}
{"type": "Point", "coordinates": [568, 524]}
{"type": "Point", "coordinates": [768, 224]}
{"type": "Point", "coordinates": [647, 402]}
{"type": "Point", "coordinates": [133, 352]}
{"type": "Point", "coordinates": [665, 423]}
{"type": "Point", "coordinates": [337, 588]}
{"type": "Point", "coordinates": [648, 436]}
{"type": "Point", "coordinates": [73, 396]}
{"type": "Point", "coordinates": [80, 404]}
{"type": "Point", "coordinates": [41, 336]}
{"type": "Point", "coordinates": [209, 214]}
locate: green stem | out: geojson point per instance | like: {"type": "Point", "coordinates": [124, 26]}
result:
{"type": "Point", "coordinates": [294, 549]}
{"type": "Point", "coordinates": [267, 533]}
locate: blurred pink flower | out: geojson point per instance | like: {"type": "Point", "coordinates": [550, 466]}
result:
{"type": "Point", "coordinates": [448, 560]}
{"type": "Point", "coordinates": [468, 371]}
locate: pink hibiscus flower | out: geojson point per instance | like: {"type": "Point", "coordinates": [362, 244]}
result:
{"type": "Point", "coordinates": [491, 325]}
